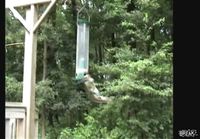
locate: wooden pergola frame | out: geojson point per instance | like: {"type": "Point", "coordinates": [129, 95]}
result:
{"type": "Point", "coordinates": [31, 24]}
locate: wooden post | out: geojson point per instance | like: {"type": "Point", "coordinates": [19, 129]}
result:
{"type": "Point", "coordinates": [30, 72]}
{"type": "Point", "coordinates": [31, 24]}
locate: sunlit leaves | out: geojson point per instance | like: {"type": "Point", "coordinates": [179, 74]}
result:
{"type": "Point", "coordinates": [13, 90]}
{"type": "Point", "coordinates": [45, 95]}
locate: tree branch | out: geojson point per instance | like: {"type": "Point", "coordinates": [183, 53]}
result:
{"type": "Point", "coordinates": [14, 44]}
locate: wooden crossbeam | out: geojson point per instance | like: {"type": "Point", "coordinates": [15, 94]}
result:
{"type": "Point", "coordinates": [44, 15]}
{"type": "Point", "coordinates": [19, 3]}
{"type": "Point", "coordinates": [20, 18]}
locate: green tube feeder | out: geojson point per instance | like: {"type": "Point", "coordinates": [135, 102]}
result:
{"type": "Point", "coordinates": [82, 46]}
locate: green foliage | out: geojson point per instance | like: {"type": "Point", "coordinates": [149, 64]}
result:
{"type": "Point", "coordinates": [44, 94]}
{"type": "Point", "coordinates": [130, 60]}
{"type": "Point", "coordinates": [13, 90]}
{"type": "Point", "coordinates": [91, 130]}
{"type": "Point", "coordinates": [142, 107]}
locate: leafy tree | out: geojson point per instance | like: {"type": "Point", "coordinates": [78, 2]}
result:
{"type": "Point", "coordinates": [13, 90]}
{"type": "Point", "coordinates": [130, 60]}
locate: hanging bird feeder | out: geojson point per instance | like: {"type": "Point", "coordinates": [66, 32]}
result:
{"type": "Point", "coordinates": [82, 59]}
{"type": "Point", "coordinates": [82, 45]}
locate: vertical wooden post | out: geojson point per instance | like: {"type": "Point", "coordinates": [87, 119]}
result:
{"type": "Point", "coordinates": [36, 125]}
{"type": "Point", "coordinates": [31, 24]}
{"type": "Point", "coordinates": [30, 72]}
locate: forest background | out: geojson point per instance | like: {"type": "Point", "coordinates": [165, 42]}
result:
{"type": "Point", "coordinates": [130, 58]}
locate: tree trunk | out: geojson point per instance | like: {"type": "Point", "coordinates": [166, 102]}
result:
{"type": "Point", "coordinates": [152, 34]}
{"type": "Point", "coordinates": [43, 120]}
{"type": "Point", "coordinates": [44, 61]}
{"type": "Point", "coordinates": [96, 53]}
{"type": "Point", "coordinates": [74, 13]}
{"type": "Point", "coordinates": [113, 40]}
{"type": "Point", "coordinates": [43, 124]}
{"type": "Point", "coordinates": [100, 55]}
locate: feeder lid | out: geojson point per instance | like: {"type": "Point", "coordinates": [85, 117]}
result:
{"type": "Point", "coordinates": [82, 21]}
